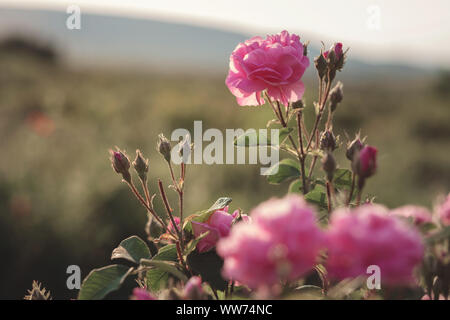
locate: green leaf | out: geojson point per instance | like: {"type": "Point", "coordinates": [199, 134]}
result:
{"type": "Point", "coordinates": [204, 215]}
{"type": "Point", "coordinates": [100, 282]}
{"type": "Point", "coordinates": [209, 266]}
{"type": "Point", "coordinates": [283, 170]}
{"type": "Point", "coordinates": [165, 266]}
{"type": "Point", "coordinates": [132, 249]}
{"type": "Point", "coordinates": [259, 138]}
{"type": "Point", "coordinates": [167, 253]}
{"type": "Point", "coordinates": [317, 196]}
{"type": "Point", "coordinates": [157, 279]}
{"type": "Point", "coordinates": [296, 186]}
{"type": "Point", "coordinates": [342, 179]}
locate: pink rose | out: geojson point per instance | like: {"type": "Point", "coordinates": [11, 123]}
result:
{"type": "Point", "coordinates": [142, 294]}
{"type": "Point", "coordinates": [365, 163]}
{"type": "Point", "coordinates": [419, 215]}
{"type": "Point", "coordinates": [368, 235]}
{"type": "Point", "coordinates": [275, 64]}
{"type": "Point", "coordinates": [193, 289]}
{"type": "Point", "coordinates": [218, 225]}
{"type": "Point", "coordinates": [283, 241]}
{"type": "Point", "coordinates": [444, 211]}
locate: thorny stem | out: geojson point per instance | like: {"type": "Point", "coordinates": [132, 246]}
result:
{"type": "Point", "coordinates": [352, 188]}
{"type": "Point", "coordinates": [313, 162]}
{"type": "Point", "coordinates": [180, 255]}
{"type": "Point", "coordinates": [322, 102]}
{"type": "Point", "coordinates": [167, 206]}
{"type": "Point", "coordinates": [329, 206]}
{"type": "Point", "coordinates": [148, 207]}
{"type": "Point", "coordinates": [302, 153]}
{"type": "Point", "coordinates": [179, 188]}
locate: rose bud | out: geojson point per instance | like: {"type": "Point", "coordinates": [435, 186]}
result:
{"type": "Point", "coordinates": [336, 96]}
{"type": "Point", "coordinates": [329, 165]}
{"type": "Point", "coordinates": [321, 64]}
{"type": "Point", "coordinates": [298, 104]}
{"type": "Point", "coordinates": [140, 164]}
{"type": "Point", "coordinates": [142, 294]}
{"type": "Point", "coordinates": [120, 164]}
{"type": "Point", "coordinates": [164, 147]}
{"type": "Point", "coordinates": [193, 289]}
{"type": "Point", "coordinates": [327, 141]}
{"type": "Point", "coordinates": [364, 163]}
{"type": "Point", "coordinates": [353, 147]}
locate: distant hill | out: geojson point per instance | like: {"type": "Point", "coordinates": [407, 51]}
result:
{"type": "Point", "coordinates": [142, 44]}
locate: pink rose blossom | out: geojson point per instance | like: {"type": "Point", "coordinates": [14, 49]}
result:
{"type": "Point", "coordinates": [283, 241]}
{"type": "Point", "coordinates": [369, 235]}
{"type": "Point", "coordinates": [419, 215]}
{"type": "Point", "coordinates": [218, 225]}
{"type": "Point", "coordinates": [366, 162]}
{"type": "Point", "coordinates": [193, 289]}
{"type": "Point", "coordinates": [444, 211]}
{"type": "Point", "coordinates": [142, 294]}
{"type": "Point", "coordinates": [275, 64]}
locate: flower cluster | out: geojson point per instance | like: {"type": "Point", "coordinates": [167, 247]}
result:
{"type": "Point", "coordinates": [367, 236]}
{"type": "Point", "coordinates": [283, 240]}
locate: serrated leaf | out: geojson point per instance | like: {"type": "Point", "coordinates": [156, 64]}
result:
{"type": "Point", "coordinates": [100, 282]}
{"type": "Point", "coordinates": [260, 138]}
{"type": "Point", "coordinates": [166, 266]}
{"type": "Point", "coordinates": [317, 196]}
{"type": "Point", "coordinates": [167, 253]}
{"type": "Point", "coordinates": [342, 179]}
{"type": "Point", "coordinates": [295, 186]}
{"type": "Point", "coordinates": [132, 249]}
{"type": "Point", "coordinates": [283, 170]}
{"type": "Point", "coordinates": [156, 279]}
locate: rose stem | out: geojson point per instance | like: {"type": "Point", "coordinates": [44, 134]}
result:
{"type": "Point", "coordinates": [167, 206]}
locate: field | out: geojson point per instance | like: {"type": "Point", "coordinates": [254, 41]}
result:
{"type": "Point", "coordinates": [61, 203]}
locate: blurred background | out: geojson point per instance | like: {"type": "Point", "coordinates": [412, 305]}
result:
{"type": "Point", "coordinates": [138, 68]}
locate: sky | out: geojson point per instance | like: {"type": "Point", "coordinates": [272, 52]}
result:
{"type": "Point", "coordinates": [409, 31]}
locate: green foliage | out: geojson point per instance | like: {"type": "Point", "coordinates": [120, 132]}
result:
{"type": "Point", "coordinates": [102, 281]}
{"type": "Point", "coordinates": [283, 170]}
{"type": "Point", "coordinates": [132, 249]}
{"type": "Point", "coordinates": [317, 196]}
{"type": "Point", "coordinates": [342, 179]}
{"type": "Point", "coordinates": [158, 278]}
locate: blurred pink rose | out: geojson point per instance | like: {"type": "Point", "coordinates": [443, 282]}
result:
{"type": "Point", "coordinates": [444, 211]}
{"type": "Point", "coordinates": [365, 163]}
{"type": "Point", "coordinates": [142, 294]}
{"type": "Point", "coordinates": [275, 64]}
{"type": "Point", "coordinates": [283, 241]}
{"type": "Point", "coordinates": [218, 225]}
{"type": "Point", "coordinates": [193, 289]}
{"type": "Point", "coordinates": [419, 215]}
{"type": "Point", "coordinates": [369, 235]}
